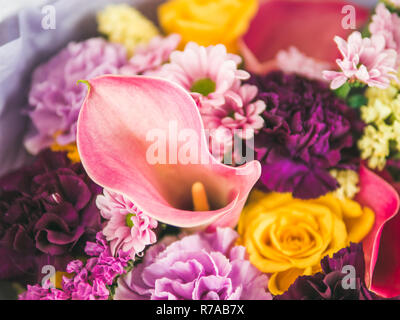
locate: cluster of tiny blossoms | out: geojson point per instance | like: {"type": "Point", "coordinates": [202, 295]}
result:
{"type": "Point", "coordinates": [124, 24]}
{"type": "Point", "coordinates": [90, 281]}
{"type": "Point", "coordinates": [381, 137]}
{"type": "Point", "coordinates": [348, 181]}
{"type": "Point", "coordinates": [212, 77]}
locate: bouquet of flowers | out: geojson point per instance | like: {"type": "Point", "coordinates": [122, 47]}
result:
{"type": "Point", "coordinates": [214, 151]}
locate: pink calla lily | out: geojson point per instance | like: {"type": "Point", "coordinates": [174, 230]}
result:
{"type": "Point", "coordinates": [308, 25]}
{"type": "Point", "coordinates": [115, 120]}
{"type": "Point", "coordinates": [381, 246]}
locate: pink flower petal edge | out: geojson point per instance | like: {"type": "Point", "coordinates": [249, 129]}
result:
{"type": "Point", "coordinates": [113, 140]}
{"type": "Point", "coordinates": [308, 25]}
{"type": "Point", "coordinates": [383, 199]}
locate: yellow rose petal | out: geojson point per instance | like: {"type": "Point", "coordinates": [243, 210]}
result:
{"type": "Point", "coordinates": [288, 237]}
{"type": "Point", "coordinates": [279, 282]}
{"type": "Point", "coordinates": [359, 228]}
{"type": "Point", "coordinates": [208, 22]}
{"type": "Point", "coordinates": [351, 208]}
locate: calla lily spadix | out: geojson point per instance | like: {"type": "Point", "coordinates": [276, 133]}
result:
{"type": "Point", "coordinates": [113, 141]}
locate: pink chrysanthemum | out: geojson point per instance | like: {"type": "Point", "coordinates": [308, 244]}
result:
{"type": "Point", "coordinates": [128, 228]}
{"type": "Point", "coordinates": [294, 61]}
{"type": "Point", "coordinates": [386, 24]}
{"type": "Point", "coordinates": [240, 114]}
{"type": "Point", "coordinates": [149, 58]}
{"type": "Point", "coordinates": [209, 73]}
{"type": "Point", "coordinates": [366, 60]}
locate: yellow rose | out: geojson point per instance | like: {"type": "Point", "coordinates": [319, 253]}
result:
{"type": "Point", "coordinates": [208, 22]}
{"type": "Point", "coordinates": [288, 237]}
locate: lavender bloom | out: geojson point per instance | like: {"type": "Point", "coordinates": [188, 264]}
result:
{"type": "Point", "coordinates": [55, 96]}
{"type": "Point", "coordinates": [47, 213]}
{"type": "Point", "coordinates": [204, 266]}
{"type": "Point", "coordinates": [307, 131]}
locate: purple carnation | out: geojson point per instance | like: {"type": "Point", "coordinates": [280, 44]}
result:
{"type": "Point", "coordinates": [204, 266]}
{"type": "Point", "coordinates": [47, 213]}
{"type": "Point", "coordinates": [307, 131]}
{"type": "Point", "coordinates": [55, 96]}
{"type": "Point", "coordinates": [327, 285]}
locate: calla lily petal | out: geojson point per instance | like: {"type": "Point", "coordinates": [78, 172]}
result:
{"type": "Point", "coordinates": [382, 256]}
{"type": "Point", "coordinates": [310, 26]}
{"type": "Point", "coordinates": [117, 118]}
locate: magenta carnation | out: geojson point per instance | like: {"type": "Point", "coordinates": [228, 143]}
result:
{"type": "Point", "coordinates": [307, 131]}
{"type": "Point", "coordinates": [204, 266]}
{"type": "Point", "coordinates": [56, 98]}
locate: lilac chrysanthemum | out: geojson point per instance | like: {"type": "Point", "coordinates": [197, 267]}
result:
{"type": "Point", "coordinates": [307, 131]}
{"type": "Point", "coordinates": [127, 228]}
{"type": "Point", "coordinates": [204, 266]}
{"type": "Point", "coordinates": [328, 284]}
{"type": "Point", "coordinates": [56, 98]}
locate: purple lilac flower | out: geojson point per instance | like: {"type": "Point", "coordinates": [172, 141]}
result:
{"type": "Point", "coordinates": [307, 131]}
{"type": "Point", "coordinates": [55, 96]}
{"type": "Point", "coordinates": [327, 285]}
{"type": "Point", "coordinates": [47, 213]}
{"type": "Point", "coordinates": [47, 292]}
{"type": "Point", "coordinates": [106, 266]}
{"type": "Point", "coordinates": [88, 281]}
{"type": "Point", "coordinates": [204, 266]}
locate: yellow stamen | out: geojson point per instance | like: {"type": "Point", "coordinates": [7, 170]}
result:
{"type": "Point", "coordinates": [199, 197]}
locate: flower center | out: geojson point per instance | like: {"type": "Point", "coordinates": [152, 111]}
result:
{"type": "Point", "coordinates": [231, 114]}
{"type": "Point", "coordinates": [203, 86]}
{"type": "Point", "coordinates": [294, 239]}
{"type": "Point", "coordinates": [128, 220]}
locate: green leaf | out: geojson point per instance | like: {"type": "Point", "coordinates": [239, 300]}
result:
{"type": "Point", "coordinates": [343, 91]}
{"type": "Point", "coordinates": [357, 100]}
